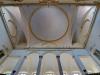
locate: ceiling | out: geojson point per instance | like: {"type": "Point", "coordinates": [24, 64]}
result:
{"type": "Point", "coordinates": [38, 1]}
{"type": "Point", "coordinates": [42, 30]}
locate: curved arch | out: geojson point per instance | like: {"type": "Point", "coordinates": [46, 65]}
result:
{"type": "Point", "coordinates": [31, 63]}
{"type": "Point", "coordinates": [9, 64]}
{"type": "Point", "coordinates": [68, 63]}
{"type": "Point", "coordinates": [11, 26]}
{"type": "Point", "coordinates": [14, 34]}
{"type": "Point", "coordinates": [85, 18]}
{"type": "Point", "coordinates": [86, 14]}
{"type": "Point", "coordinates": [49, 63]}
{"type": "Point", "coordinates": [19, 36]}
{"type": "Point", "coordinates": [84, 28]}
{"type": "Point", "coordinates": [10, 19]}
{"type": "Point", "coordinates": [83, 23]}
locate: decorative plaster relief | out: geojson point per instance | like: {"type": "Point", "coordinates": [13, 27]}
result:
{"type": "Point", "coordinates": [49, 23]}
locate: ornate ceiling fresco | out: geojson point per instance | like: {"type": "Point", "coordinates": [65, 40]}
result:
{"type": "Point", "coordinates": [51, 26]}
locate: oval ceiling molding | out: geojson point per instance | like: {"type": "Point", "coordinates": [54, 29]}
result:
{"type": "Point", "coordinates": [86, 27]}
{"type": "Point", "coordinates": [49, 23]}
{"type": "Point", "coordinates": [85, 17]}
{"type": "Point", "coordinates": [12, 28]}
{"type": "Point", "coordinates": [11, 25]}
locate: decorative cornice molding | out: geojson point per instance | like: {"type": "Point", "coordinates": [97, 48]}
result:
{"type": "Point", "coordinates": [48, 1]}
{"type": "Point", "coordinates": [19, 0]}
{"type": "Point", "coordinates": [76, 2]}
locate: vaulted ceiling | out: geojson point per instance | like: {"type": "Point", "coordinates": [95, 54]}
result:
{"type": "Point", "coordinates": [49, 26]}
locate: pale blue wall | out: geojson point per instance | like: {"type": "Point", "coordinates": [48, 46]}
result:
{"type": "Point", "coordinates": [4, 40]}
{"type": "Point", "coordinates": [94, 40]}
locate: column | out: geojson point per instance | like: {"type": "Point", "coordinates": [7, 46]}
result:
{"type": "Point", "coordinates": [39, 65]}
{"type": "Point", "coordinates": [80, 65]}
{"type": "Point", "coordinates": [59, 65]}
{"type": "Point", "coordinates": [18, 66]}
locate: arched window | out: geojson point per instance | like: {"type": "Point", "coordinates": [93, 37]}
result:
{"type": "Point", "coordinates": [30, 64]}
{"type": "Point", "coordinates": [48, 67]}
{"type": "Point", "coordinates": [68, 64]}
{"type": "Point", "coordinates": [84, 31]}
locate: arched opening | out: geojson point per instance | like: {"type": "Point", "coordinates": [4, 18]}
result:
{"type": "Point", "coordinates": [30, 64]}
{"type": "Point", "coordinates": [90, 65]}
{"type": "Point", "coordinates": [8, 65]}
{"type": "Point", "coordinates": [11, 26]}
{"type": "Point", "coordinates": [86, 25]}
{"type": "Point", "coordinates": [16, 33]}
{"type": "Point", "coordinates": [10, 23]}
{"type": "Point", "coordinates": [84, 32]}
{"type": "Point", "coordinates": [68, 63]}
{"type": "Point", "coordinates": [49, 64]}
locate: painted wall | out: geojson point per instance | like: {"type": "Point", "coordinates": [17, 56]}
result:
{"type": "Point", "coordinates": [4, 40]}
{"type": "Point", "coordinates": [94, 40]}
